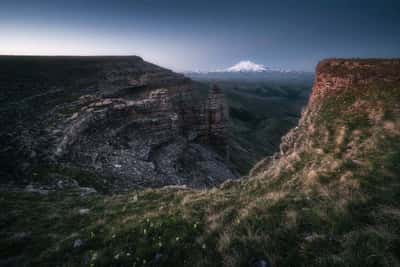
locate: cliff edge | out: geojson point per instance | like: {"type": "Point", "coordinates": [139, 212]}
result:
{"type": "Point", "coordinates": [112, 123]}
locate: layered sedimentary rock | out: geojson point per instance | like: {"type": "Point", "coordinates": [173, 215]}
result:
{"type": "Point", "coordinates": [120, 118]}
{"type": "Point", "coordinates": [217, 115]}
{"type": "Point", "coordinates": [353, 105]}
{"type": "Point", "coordinates": [337, 75]}
{"type": "Point", "coordinates": [214, 115]}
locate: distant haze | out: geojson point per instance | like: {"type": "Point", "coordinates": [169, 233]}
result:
{"type": "Point", "coordinates": [204, 35]}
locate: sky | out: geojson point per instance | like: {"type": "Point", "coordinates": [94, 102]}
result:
{"type": "Point", "coordinates": [203, 35]}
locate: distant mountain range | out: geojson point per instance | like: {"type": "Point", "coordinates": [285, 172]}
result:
{"type": "Point", "coordinates": [249, 71]}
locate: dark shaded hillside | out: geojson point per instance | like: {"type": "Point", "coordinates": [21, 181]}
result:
{"type": "Point", "coordinates": [112, 123]}
{"type": "Point", "coordinates": [27, 76]}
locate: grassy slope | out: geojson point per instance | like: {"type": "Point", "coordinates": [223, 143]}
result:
{"type": "Point", "coordinates": [333, 201]}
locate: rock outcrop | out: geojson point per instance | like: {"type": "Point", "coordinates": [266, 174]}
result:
{"type": "Point", "coordinates": [352, 113]}
{"type": "Point", "coordinates": [337, 75]}
{"type": "Point", "coordinates": [215, 115]}
{"type": "Point", "coordinates": [135, 123]}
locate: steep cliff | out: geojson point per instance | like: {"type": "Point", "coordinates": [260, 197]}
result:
{"type": "Point", "coordinates": [215, 114]}
{"type": "Point", "coordinates": [132, 123]}
{"type": "Point", "coordinates": [352, 112]}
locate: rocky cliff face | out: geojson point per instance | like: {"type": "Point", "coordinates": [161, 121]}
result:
{"type": "Point", "coordinates": [215, 115]}
{"type": "Point", "coordinates": [123, 118]}
{"type": "Point", "coordinates": [337, 76]}
{"type": "Point", "coordinates": [353, 112]}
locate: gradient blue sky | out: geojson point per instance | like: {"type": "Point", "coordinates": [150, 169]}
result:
{"type": "Point", "coordinates": [202, 34]}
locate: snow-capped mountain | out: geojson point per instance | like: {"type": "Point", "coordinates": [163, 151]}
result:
{"type": "Point", "coordinates": [249, 71]}
{"type": "Point", "coordinates": [246, 66]}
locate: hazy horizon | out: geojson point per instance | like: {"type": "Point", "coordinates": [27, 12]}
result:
{"type": "Point", "coordinates": [204, 35]}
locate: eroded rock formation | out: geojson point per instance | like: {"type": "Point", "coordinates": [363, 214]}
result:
{"type": "Point", "coordinates": [336, 75]}
{"type": "Point", "coordinates": [353, 105]}
{"type": "Point", "coordinates": [217, 115]}
{"type": "Point", "coordinates": [136, 124]}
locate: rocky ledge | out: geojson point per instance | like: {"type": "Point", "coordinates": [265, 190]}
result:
{"type": "Point", "coordinates": [333, 76]}
{"type": "Point", "coordinates": [124, 121]}
{"type": "Point", "coordinates": [353, 111]}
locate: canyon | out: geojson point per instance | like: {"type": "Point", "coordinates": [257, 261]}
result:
{"type": "Point", "coordinates": [329, 197]}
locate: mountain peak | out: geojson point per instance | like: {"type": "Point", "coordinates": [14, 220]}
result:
{"type": "Point", "coordinates": [246, 66]}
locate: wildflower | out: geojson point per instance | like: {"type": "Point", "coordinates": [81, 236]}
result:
{"type": "Point", "coordinates": [116, 256]}
{"type": "Point", "coordinates": [195, 226]}
{"type": "Point", "coordinates": [144, 231]}
{"type": "Point", "coordinates": [94, 256]}
{"type": "Point", "coordinates": [204, 246]}
{"type": "Point", "coordinates": [177, 238]}
{"type": "Point", "coordinates": [113, 236]}
{"type": "Point", "coordinates": [160, 244]}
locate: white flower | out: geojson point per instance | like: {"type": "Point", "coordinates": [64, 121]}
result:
{"type": "Point", "coordinates": [94, 256]}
